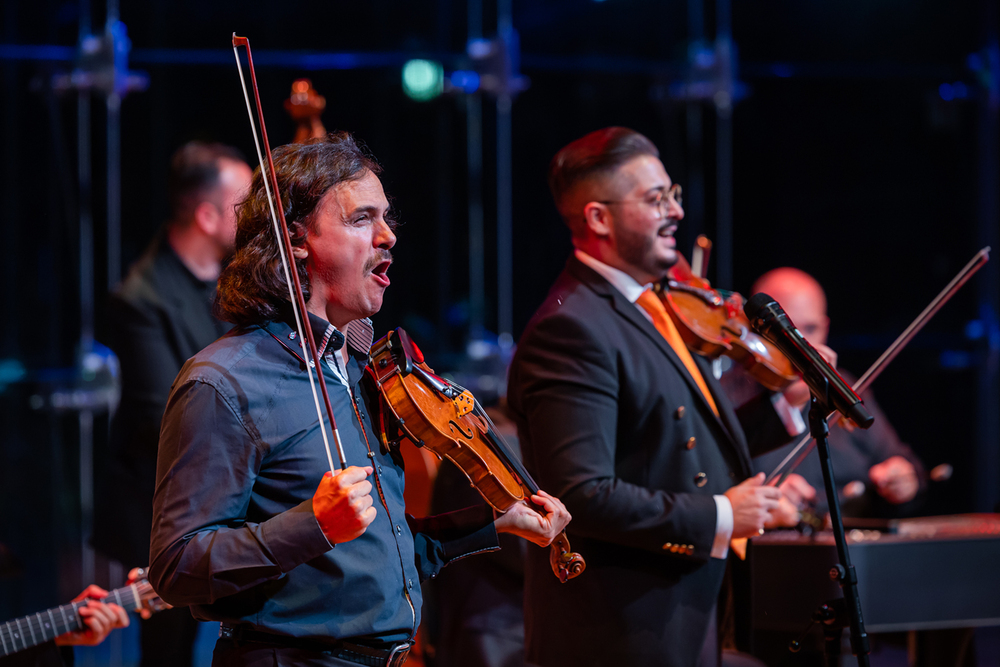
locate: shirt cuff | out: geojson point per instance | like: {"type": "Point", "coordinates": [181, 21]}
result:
{"type": "Point", "coordinates": [294, 536]}
{"type": "Point", "coordinates": [789, 416]}
{"type": "Point", "coordinates": [482, 540]}
{"type": "Point", "coordinates": [723, 526]}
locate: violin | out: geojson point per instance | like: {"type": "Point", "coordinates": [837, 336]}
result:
{"type": "Point", "coordinates": [446, 419]}
{"type": "Point", "coordinates": [712, 324]}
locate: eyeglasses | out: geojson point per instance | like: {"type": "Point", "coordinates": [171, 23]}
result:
{"type": "Point", "coordinates": [661, 200]}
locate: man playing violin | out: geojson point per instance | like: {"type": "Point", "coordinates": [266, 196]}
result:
{"type": "Point", "coordinates": [879, 473]}
{"type": "Point", "coordinates": [301, 566]}
{"type": "Point", "coordinates": [629, 429]}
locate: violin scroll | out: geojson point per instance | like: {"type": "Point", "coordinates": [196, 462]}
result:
{"type": "Point", "coordinates": [565, 564]}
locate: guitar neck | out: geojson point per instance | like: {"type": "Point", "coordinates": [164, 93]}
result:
{"type": "Point", "coordinates": [34, 629]}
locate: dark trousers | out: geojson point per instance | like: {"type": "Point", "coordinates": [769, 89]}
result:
{"type": "Point", "coordinates": [167, 638]}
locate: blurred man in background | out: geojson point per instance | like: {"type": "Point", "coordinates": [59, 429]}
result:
{"type": "Point", "coordinates": [159, 317]}
{"type": "Point", "coordinates": [877, 473]}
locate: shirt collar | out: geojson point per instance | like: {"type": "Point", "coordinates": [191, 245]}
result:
{"type": "Point", "coordinates": [358, 335]}
{"type": "Point", "coordinates": [623, 282]}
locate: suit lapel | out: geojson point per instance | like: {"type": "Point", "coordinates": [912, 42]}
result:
{"type": "Point", "coordinates": [727, 420]}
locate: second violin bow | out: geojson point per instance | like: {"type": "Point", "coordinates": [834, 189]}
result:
{"type": "Point", "coordinates": [876, 369]}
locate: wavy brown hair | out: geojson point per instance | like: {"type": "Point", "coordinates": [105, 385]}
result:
{"type": "Point", "coordinates": [252, 287]}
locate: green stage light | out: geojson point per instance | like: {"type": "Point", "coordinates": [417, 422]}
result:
{"type": "Point", "coordinates": [423, 79]}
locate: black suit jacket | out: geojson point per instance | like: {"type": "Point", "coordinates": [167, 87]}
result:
{"type": "Point", "coordinates": [612, 423]}
{"type": "Point", "coordinates": [159, 318]}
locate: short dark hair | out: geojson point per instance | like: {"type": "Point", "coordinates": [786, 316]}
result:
{"type": "Point", "coordinates": [595, 155]}
{"type": "Point", "coordinates": [194, 173]}
{"type": "Point", "coordinates": [252, 287]}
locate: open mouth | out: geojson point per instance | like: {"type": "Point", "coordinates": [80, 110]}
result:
{"type": "Point", "coordinates": [667, 231]}
{"type": "Point", "coordinates": [379, 272]}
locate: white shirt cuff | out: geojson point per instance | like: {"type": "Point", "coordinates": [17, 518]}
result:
{"type": "Point", "coordinates": [723, 526]}
{"type": "Point", "coordinates": [789, 416]}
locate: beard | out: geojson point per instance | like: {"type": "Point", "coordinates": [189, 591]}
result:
{"type": "Point", "coordinates": [637, 250]}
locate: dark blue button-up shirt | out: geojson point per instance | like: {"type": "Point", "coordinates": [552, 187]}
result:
{"type": "Point", "coordinates": [234, 534]}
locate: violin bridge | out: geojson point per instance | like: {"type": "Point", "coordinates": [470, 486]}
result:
{"type": "Point", "coordinates": [464, 403]}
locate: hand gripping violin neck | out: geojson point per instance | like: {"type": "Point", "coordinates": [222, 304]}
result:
{"type": "Point", "coordinates": [435, 413]}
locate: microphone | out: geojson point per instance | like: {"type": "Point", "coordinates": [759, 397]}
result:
{"type": "Point", "coordinates": [769, 320]}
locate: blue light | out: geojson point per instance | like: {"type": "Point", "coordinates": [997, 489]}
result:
{"type": "Point", "coordinates": [975, 330]}
{"type": "Point", "coordinates": [953, 91]}
{"type": "Point", "coordinates": [783, 70]}
{"type": "Point", "coordinates": [465, 80]}
{"type": "Point", "coordinates": [955, 359]}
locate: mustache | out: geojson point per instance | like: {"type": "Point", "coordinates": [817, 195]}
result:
{"type": "Point", "coordinates": [383, 255]}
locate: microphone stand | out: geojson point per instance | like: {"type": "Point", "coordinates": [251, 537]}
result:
{"type": "Point", "coordinates": [843, 573]}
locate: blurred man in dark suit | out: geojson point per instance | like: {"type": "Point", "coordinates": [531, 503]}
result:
{"type": "Point", "coordinates": [161, 316]}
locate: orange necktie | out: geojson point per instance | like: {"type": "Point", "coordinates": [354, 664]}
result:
{"type": "Point", "coordinates": [651, 303]}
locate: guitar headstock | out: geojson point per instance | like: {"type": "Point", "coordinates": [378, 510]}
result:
{"type": "Point", "coordinates": [147, 601]}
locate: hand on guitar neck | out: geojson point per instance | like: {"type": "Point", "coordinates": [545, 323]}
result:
{"type": "Point", "coordinates": [86, 621]}
{"type": "Point", "coordinates": [99, 619]}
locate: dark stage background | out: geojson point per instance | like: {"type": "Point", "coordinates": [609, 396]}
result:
{"type": "Point", "coordinates": [862, 146]}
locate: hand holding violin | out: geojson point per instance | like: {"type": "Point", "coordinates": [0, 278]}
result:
{"type": "Point", "coordinates": [542, 529]}
{"type": "Point", "coordinates": [343, 504]}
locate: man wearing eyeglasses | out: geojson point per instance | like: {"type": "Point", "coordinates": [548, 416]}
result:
{"type": "Point", "coordinates": [634, 434]}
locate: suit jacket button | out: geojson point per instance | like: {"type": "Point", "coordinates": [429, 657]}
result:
{"type": "Point", "coordinates": [680, 412]}
{"type": "Point", "coordinates": [700, 480]}
{"type": "Point", "coordinates": [691, 441]}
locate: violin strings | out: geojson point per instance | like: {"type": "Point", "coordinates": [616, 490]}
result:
{"type": "Point", "coordinates": [494, 434]}
{"type": "Point", "coordinates": [284, 265]}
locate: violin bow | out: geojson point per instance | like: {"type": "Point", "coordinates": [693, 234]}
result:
{"type": "Point", "coordinates": [876, 369]}
{"type": "Point", "coordinates": [270, 179]}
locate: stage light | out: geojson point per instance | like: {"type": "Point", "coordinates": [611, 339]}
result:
{"type": "Point", "coordinates": [422, 79]}
{"type": "Point", "coordinates": [465, 80]}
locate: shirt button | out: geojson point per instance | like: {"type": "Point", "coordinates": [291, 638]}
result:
{"type": "Point", "coordinates": [399, 531]}
{"type": "Point", "coordinates": [700, 480]}
{"type": "Point", "coordinates": [680, 412]}
{"type": "Point", "coordinates": [409, 583]}
{"type": "Point", "coordinates": [291, 336]}
{"type": "Point", "coordinates": [691, 442]}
